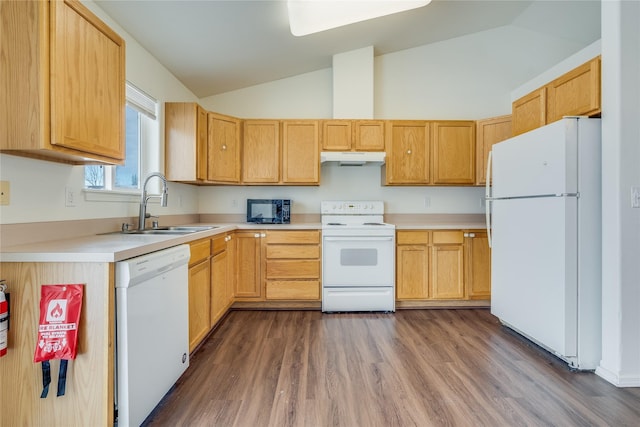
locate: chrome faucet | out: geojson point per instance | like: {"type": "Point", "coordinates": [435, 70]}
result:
{"type": "Point", "coordinates": [145, 197]}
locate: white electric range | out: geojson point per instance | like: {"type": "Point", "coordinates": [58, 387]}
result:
{"type": "Point", "coordinates": [358, 257]}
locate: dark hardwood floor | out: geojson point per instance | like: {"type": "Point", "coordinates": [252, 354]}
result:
{"type": "Point", "coordinates": [410, 368]}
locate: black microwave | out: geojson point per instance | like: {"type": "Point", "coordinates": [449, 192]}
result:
{"type": "Point", "coordinates": [269, 211]}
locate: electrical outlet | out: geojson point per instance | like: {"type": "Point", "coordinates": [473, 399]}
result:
{"type": "Point", "coordinates": [69, 197]}
{"type": "Point", "coordinates": [5, 193]}
{"type": "Point", "coordinates": [427, 201]}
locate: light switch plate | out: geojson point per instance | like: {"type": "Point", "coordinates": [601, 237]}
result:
{"type": "Point", "coordinates": [69, 197]}
{"type": "Point", "coordinates": [5, 193]}
{"type": "Point", "coordinates": [635, 197]}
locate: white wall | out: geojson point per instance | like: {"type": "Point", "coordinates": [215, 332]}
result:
{"type": "Point", "coordinates": [347, 182]}
{"type": "Point", "coordinates": [620, 362]}
{"type": "Point", "coordinates": [38, 187]}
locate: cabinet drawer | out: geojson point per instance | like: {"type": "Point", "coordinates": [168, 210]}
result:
{"type": "Point", "coordinates": [447, 237]}
{"type": "Point", "coordinates": [293, 289]}
{"type": "Point", "coordinates": [305, 236]}
{"type": "Point", "coordinates": [412, 237]}
{"type": "Point", "coordinates": [219, 244]}
{"type": "Point", "coordinates": [200, 250]}
{"type": "Point", "coordinates": [293, 251]}
{"type": "Point", "coordinates": [293, 269]}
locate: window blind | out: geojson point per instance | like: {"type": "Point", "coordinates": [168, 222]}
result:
{"type": "Point", "coordinates": [142, 102]}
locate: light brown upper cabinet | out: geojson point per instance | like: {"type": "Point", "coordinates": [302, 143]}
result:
{"type": "Point", "coordinates": [454, 145]}
{"type": "Point", "coordinates": [301, 152]}
{"type": "Point", "coordinates": [408, 148]}
{"type": "Point", "coordinates": [489, 132]}
{"type": "Point", "coordinates": [261, 152]}
{"type": "Point", "coordinates": [185, 141]}
{"type": "Point", "coordinates": [529, 112]}
{"type": "Point", "coordinates": [575, 93]}
{"type": "Point", "coordinates": [353, 135]}
{"type": "Point", "coordinates": [63, 87]}
{"type": "Point", "coordinates": [223, 149]}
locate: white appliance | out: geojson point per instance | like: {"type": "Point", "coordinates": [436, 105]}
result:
{"type": "Point", "coordinates": [353, 158]}
{"type": "Point", "coordinates": [152, 330]}
{"type": "Point", "coordinates": [358, 257]}
{"type": "Point", "coordinates": [545, 234]}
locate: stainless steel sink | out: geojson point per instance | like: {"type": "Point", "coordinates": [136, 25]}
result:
{"type": "Point", "coordinates": [180, 229]}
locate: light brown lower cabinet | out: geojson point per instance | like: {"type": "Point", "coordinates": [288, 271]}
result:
{"type": "Point", "coordinates": [292, 265]}
{"type": "Point", "coordinates": [441, 265]}
{"type": "Point", "coordinates": [248, 268]}
{"type": "Point", "coordinates": [221, 299]}
{"type": "Point", "coordinates": [199, 291]}
{"type": "Point", "coordinates": [447, 265]}
{"type": "Point", "coordinates": [412, 265]}
{"type": "Point", "coordinates": [477, 265]}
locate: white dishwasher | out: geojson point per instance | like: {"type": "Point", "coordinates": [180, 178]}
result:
{"type": "Point", "coordinates": [152, 330]}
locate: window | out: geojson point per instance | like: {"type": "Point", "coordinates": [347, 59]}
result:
{"type": "Point", "coordinates": [140, 115]}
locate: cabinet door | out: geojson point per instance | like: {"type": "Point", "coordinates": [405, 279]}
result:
{"type": "Point", "coordinates": [529, 112]}
{"type": "Point", "coordinates": [87, 82]}
{"type": "Point", "coordinates": [219, 294]}
{"type": "Point", "coordinates": [407, 145]}
{"type": "Point", "coordinates": [453, 144]}
{"type": "Point", "coordinates": [447, 268]}
{"type": "Point", "coordinates": [261, 151]}
{"type": "Point", "coordinates": [576, 93]}
{"type": "Point", "coordinates": [477, 265]}
{"type": "Point", "coordinates": [368, 135]}
{"type": "Point", "coordinates": [185, 139]}
{"type": "Point", "coordinates": [336, 135]}
{"type": "Point", "coordinates": [248, 264]}
{"type": "Point", "coordinates": [231, 267]}
{"type": "Point", "coordinates": [223, 148]}
{"type": "Point", "coordinates": [199, 302]}
{"type": "Point", "coordinates": [412, 264]}
{"type": "Point", "coordinates": [412, 275]}
{"type": "Point", "coordinates": [300, 152]}
{"type": "Point", "coordinates": [489, 132]}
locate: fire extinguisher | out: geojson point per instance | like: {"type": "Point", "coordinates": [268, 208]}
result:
{"type": "Point", "coordinates": [4, 319]}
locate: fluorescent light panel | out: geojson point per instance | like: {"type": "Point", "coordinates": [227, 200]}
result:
{"type": "Point", "coordinates": [313, 16]}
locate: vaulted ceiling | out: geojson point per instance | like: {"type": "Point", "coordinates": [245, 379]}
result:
{"type": "Point", "coordinates": [216, 46]}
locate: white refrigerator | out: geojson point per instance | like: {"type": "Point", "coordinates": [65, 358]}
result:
{"type": "Point", "coordinates": [544, 223]}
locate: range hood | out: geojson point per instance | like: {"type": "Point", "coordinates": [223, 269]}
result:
{"type": "Point", "coordinates": [353, 158]}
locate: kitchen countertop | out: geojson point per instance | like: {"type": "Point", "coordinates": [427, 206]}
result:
{"type": "Point", "coordinates": [117, 247]}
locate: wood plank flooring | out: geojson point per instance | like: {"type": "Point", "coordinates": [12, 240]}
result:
{"type": "Point", "coordinates": [411, 368]}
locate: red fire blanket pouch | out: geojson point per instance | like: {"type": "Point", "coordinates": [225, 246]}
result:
{"type": "Point", "coordinates": [60, 307]}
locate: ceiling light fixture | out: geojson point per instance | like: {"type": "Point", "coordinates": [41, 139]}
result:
{"type": "Point", "coordinates": [313, 16]}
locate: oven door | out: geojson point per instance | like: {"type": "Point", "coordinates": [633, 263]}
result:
{"type": "Point", "coordinates": [349, 261]}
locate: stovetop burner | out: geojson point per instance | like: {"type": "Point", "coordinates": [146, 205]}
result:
{"type": "Point", "coordinates": [353, 215]}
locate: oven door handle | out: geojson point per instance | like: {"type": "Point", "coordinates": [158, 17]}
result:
{"type": "Point", "coordinates": [359, 239]}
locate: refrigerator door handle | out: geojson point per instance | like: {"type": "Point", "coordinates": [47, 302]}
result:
{"type": "Point", "coordinates": [487, 203]}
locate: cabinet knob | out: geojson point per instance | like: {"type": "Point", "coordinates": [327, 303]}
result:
{"type": "Point", "coordinates": [466, 234]}
{"type": "Point", "coordinates": [263, 235]}
{"type": "Point", "coordinates": [256, 235]}
{"type": "Point", "coordinates": [224, 147]}
{"type": "Point", "coordinates": [408, 151]}
{"type": "Point", "coordinates": [472, 235]}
